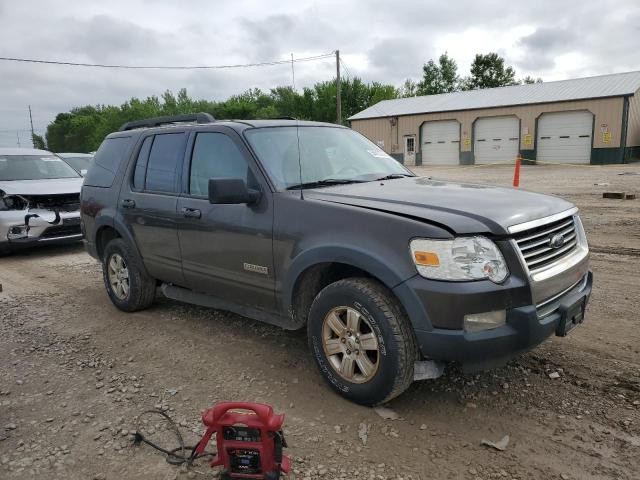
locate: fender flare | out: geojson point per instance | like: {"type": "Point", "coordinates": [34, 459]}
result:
{"type": "Point", "coordinates": [120, 227]}
{"type": "Point", "coordinates": [373, 265]}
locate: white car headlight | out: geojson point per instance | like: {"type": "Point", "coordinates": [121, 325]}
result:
{"type": "Point", "coordinates": [464, 258]}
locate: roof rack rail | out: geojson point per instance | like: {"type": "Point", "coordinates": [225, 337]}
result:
{"type": "Point", "coordinates": [168, 119]}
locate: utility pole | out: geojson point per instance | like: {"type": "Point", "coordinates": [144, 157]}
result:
{"type": "Point", "coordinates": [338, 84]}
{"type": "Point", "coordinates": [32, 132]}
{"type": "Point", "coordinates": [293, 74]}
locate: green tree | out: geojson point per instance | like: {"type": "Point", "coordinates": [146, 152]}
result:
{"type": "Point", "coordinates": [441, 77]}
{"type": "Point", "coordinates": [287, 102]}
{"type": "Point", "coordinates": [57, 130]}
{"type": "Point", "coordinates": [488, 71]}
{"type": "Point", "coordinates": [38, 142]}
{"type": "Point", "coordinates": [529, 79]}
{"type": "Point", "coordinates": [82, 129]}
{"type": "Point", "coordinates": [377, 93]}
{"type": "Point", "coordinates": [408, 89]}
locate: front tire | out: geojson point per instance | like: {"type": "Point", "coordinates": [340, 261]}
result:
{"type": "Point", "coordinates": [128, 285]}
{"type": "Point", "coordinates": [362, 341]}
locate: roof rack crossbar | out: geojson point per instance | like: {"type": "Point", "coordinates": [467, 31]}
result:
{"type": "Point", "coordinates": [168, 119]}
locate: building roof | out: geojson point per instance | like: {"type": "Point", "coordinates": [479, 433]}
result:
{"type": "Point", "coordinates": [614, 85]}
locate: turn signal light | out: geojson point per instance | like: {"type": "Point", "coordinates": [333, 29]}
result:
{"type": "Point", "coordinates": [427, 259]}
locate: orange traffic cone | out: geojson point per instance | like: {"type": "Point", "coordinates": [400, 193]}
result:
{"type": "Point", "coordinates": [516, 173]}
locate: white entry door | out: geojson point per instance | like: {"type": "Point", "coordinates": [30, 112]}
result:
{"type": "Point", "coordinates": [496, 139]}
{"type": "Point", "coordinates": [441, 143]}
{"type": "Point", "coordinates": [565, 137]}
{"type": "Point", "coordinates": [409, 150]}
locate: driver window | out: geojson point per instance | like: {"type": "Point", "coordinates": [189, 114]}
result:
{"type": "Point", "coordinates": [215, 156]}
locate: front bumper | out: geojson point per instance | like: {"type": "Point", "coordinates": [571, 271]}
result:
{"type": "Point", "coordinates": [525, 328]}
{"type": "Point", "coordinates": [39, 231]}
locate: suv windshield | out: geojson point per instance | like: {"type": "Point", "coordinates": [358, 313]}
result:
{"type": "Point", "coordinates": [319, 156]}
{"type": "Point", "coordinates": [34, 167]}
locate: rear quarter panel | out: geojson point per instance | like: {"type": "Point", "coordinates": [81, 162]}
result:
{"type": "Point", "coordinates": [101, 187]}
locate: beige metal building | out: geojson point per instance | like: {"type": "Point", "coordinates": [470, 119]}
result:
{"type": "Point", "coordinates": [592, 120]}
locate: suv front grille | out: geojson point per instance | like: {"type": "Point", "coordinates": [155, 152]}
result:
{"type": "Point", "coordinates": [535, 244]}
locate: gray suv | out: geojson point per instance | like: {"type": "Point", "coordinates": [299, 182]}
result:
{"type": "Point", "coordinates": [304, 224]}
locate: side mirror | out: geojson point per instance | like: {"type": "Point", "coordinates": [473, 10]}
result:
{"type": "Point", "coordinates": [232, 191]}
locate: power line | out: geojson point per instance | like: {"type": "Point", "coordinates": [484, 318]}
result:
{"type": "Point", "coordinates": [293, 74]}
{"type": "Point", "coordinates": [344, 65]}
{"type": "Point", "coordinates": [160, 67]}
{"type": "Point", "coordinates": [349, 75]}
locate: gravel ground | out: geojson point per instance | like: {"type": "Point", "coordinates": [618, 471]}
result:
{"type": "Point", "coordinates": [76, 372]}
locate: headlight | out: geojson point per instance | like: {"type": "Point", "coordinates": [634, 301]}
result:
{"type": "Point", "coordinates": [582, 236]}
{"type": "Point", "coordinates": [464, 258]}
{"type": "Point", "coordinates": [12, 202]}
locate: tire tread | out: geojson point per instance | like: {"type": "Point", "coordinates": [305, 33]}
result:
{"type": "Point", "coordinates": [398, 321]}
{"type": "Point", "coordinates": [143, 293]}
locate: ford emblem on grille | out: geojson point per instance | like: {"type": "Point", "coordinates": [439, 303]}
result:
{"type": "Point", "coordinates": [556, 241]}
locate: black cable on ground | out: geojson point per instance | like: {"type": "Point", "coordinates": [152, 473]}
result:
{"type": "Point", "coordinates": [175, 456]}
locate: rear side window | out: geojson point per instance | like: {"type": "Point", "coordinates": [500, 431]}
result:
{"type": "Point", "coordinates": [165, 162]}
{"type": "Point", "coordinates": [141, 164]}
{"type": "Point", "coordinates": [107, 160]}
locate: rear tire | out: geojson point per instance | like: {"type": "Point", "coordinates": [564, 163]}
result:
{"type": "Point", "coordinates": [128, 285]}
{"type": "Point", "coordinates": [372, 360]}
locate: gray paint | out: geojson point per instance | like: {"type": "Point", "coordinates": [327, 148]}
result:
{"type": "Point", "coordinates": [376, 220]}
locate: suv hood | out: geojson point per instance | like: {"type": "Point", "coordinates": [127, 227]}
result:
{"type": "Point", "coordinates": [461, 208]}
{"type": "Point", "coordinates": [52, 186]}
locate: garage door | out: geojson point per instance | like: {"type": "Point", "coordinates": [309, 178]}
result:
{"type": "Point", "coordinates": [441, 143]}
{"type": "Point", "coordinates": [496, 139]}
{"type": "Point", "coordinates": [565, 137]}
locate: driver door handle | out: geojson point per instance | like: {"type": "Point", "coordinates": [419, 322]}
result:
{"type": "Point", "coordinates": [191, 212]}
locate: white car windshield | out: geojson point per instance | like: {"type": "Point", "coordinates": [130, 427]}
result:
{"type": "Point", "coordinates": [79, 163]}
{"type": "Point", "coordinates": [34, 167]}
{"type": "Point", "coordinates": [310, 156]}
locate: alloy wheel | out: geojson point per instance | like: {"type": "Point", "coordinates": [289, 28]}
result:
{"type": "Point", "coordinates": [350, 344]}
{"type": "Point", "coordinates": [118, 275]}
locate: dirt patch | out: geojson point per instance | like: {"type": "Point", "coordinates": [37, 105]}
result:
{"type": "Point", "coordinates": [76, 372]}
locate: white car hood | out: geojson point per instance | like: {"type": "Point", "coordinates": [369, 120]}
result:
{"type": "Point", "coordinates": [54, 186]}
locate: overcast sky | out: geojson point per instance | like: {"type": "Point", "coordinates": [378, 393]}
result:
{"type": "Point", "coordinates": [380, 40]}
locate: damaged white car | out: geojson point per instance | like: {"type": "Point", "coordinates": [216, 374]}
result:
{"type": "Point", "coordinates": [39, 199]}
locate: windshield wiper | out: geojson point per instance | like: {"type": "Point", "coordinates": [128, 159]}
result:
{"type": "Point", "coordinates": [393, 175]}
{"type": "Point", "coordinates": [326, 182]}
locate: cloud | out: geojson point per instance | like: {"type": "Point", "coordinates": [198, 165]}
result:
{"type": "Point", "coordinates": [543, 45]}
{"type": "Point", "coordinates": [378, 40]}
{"type": "Point", "coordinates": [394, 59]}
{"type": "Point", "coordinates": [104, 39]}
